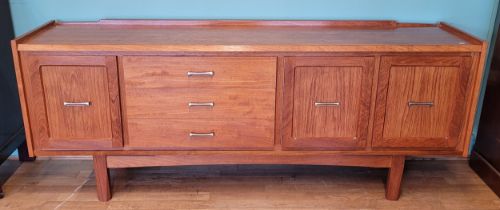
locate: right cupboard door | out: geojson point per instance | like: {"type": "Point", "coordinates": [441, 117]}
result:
{"type": "Point", "coordinates": [421, 102]}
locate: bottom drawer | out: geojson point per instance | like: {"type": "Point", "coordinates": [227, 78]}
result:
{"type": "Point", "coordinates": [194, 134]}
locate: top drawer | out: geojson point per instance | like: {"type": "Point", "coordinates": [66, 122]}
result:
{"type": "Point", "coordinates": [199, 72]}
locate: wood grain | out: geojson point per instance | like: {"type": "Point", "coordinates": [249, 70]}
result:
{"type": "Point", "coordinates": [340, 85]}
{"type": "Point", "coordinates": [394, 178]}
{"type": "Point", "coordinates": [267, 77]}
{"type": "Point", "coordinates": [101, 173]}
{"type": "Point", "coordinates": [438, 184]}
{"type": "Point", "coordinates": [346, 80]}
{"type": "Point", "coordinates": [371, 121]}
{"type": "Point", "coordinates": [222, 159]}
{"type": "Point", "coordinates": [442, 81]}
{"type": "Point", "coordinates": [157, 90]}
{"type": "Point", "coordinates": [53, 79]}
{"type": "Point", "coordinates": [141, 72]}
{"type": "Point", "coordinates": [249, 153]}
{"type": "Point", "coordinates": [22, 98]}
{"type": "Point", "coordinates": [473, 93]}
{"type": "Point", "coordinates": [20, 82]}
{"type": "Point", "coordinates": [76, 84]}
{"type": "Point", "coordinates": [173, 134]}
{"type": "Point", "coordinates": [247, 36]}
{"type": "Point", "coordinates": [279, 104]}
{"type": "Point", "coordinates": [457, 32]}
{"type": "Point", "coordinates": [228, 103]}
{"type": "Point", "coordinates": [376, 24]}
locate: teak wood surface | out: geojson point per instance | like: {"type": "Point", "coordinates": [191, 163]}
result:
{"type": "Point", "coordinates": [53, 80]}
{"type": "Point", "coordinates": [355, 93]}
{"type": "Point", "coordinates": [441, 81]}
{"type": "Point", "coordinates": [249, 36]}
{"type": "Point", "coordinates": [342, 80]}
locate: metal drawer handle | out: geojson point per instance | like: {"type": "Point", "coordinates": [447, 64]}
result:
{"type": "Point", "coordinates": [86, 103]}
{"type": "Point", "coordinates": [318, 104]}
{"type": "Point", "coordinates": [209, 104]}
{"type": "Point", "coordinates": [193, 134]}
{"type": "Point", "coordinates": [203, 73]}
{"type": "Point", "coordinates": [414, 103]}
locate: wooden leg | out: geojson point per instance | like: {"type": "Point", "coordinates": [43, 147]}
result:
{"type": "Point", "coordinates": [1, 192]}
{"type": "Point", "coordinates": [101, 172]}
{"type": "Point", "coordinates": [394, 178]}
{"type": "Point", "coordinates": [23, 154]}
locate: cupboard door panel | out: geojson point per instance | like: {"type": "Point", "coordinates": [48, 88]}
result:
{"type": "Point", "coordinates": [326, 101]}
{"type": "Point", "coordinates": [74, 102]}
{"type": "Point", "coordinates": [423, 102]}
{"type": "Point", "coordinates": [77, 102]}
{"type": "Point", "coordinates": [329, 101]}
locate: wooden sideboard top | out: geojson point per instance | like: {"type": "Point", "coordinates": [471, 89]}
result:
{"type": "Point", "coordinates": [247, 36]}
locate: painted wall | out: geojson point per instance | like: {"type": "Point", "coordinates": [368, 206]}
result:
{"type": "Point", "coordinates": [473, 16]}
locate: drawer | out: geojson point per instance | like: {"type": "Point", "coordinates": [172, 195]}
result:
{"type": "Point", "coordinates": [166, 98]}
{"type": "Point", "coordinates": [198, 72]}
{"type": "Point", "coordinates": [206, 103]}
{"type": "Point", "coordinates": [196, 134]}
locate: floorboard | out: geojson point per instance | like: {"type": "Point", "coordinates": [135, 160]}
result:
{"type": "Point", "coordinates": [70, 184]}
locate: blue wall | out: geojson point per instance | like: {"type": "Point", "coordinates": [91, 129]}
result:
{"type": "Point", "coordinates": [473, 16]}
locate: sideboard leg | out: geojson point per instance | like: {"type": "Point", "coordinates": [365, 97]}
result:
{"type": "Point", "coordinates": [22, 152]}
{"type": "Point", "coordinates": [101, 172]}
{"type": "Point", "coordinates": [394, 178]}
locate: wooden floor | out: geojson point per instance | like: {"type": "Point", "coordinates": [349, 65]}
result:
{"type": "Point", "coordinates": [69, 184]}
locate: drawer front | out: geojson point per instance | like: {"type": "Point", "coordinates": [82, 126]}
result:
{"type": "Point", "coordinates": [149, 72]}
{"type": "Point", "coordinates": [201, 103]}
{"type": "Point", "coordinates": [201, 134]}
{"type": "Point", "coordinates": [422, 102]}
{"type": "Point", "coordinates": [230, 95]}
{"type": "Point", "coordinates": [329, 100]}
{"type": "Point", "coordinates": [74, 103]}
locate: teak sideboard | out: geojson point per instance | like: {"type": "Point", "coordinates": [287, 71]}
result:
{"type": "Point", "coordinates": [140, 93]}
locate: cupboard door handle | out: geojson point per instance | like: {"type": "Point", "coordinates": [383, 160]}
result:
{"type": "Point", "coordinates": [203, 73]}
{"type": "Point", "coordinates": [318, 104]}
{"type": "Point", "coordinates": [414, 103]}
{"type": "Point", "coordinates": [193, 134]}
{"type": "Point", "coordinates": [209, 104]}
{"type": "Point", "coordinates": [86, 103]}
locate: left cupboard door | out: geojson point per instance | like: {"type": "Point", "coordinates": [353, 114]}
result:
{"type": "Point", "coordinates": [73, 102]}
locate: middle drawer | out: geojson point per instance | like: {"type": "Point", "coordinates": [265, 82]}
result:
{"type": "Point", "coordinates": [200, 103]}
{"type": "Point", "coordinates": [233, 90]}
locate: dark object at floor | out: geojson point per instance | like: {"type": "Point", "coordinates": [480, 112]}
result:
{"type": "Point", "coordinates": [485, 158]}
{"type": "Point", "coordinates": [11, 125]}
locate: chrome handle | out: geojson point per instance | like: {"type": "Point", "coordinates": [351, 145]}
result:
{"type": "Point", "coordinates": [210, 104]}
{"type": "Point", "coordinates": [414, 103]}
{"type": "Point", "coordinates": [86, 103]}
{"type": "Point", "coordinates": [203, 73]}
{"type": "Point", "coordinates": [193, 134]}
{"type": "Point", "coordinates": [326, 104]}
